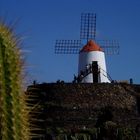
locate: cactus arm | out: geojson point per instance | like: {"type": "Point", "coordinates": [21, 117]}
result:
{"type": "Point", "coordinates": [13, 116]}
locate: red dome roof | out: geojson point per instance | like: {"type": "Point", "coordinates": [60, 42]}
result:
{"type": "Point", "coordinates": [91, 46]}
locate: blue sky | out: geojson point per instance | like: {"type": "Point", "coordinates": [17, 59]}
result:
{"type": "Point", "coordinates": [43, 21]}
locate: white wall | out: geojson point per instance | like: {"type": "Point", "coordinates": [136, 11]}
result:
{"type": "Point", "coordinates": [86, 58]}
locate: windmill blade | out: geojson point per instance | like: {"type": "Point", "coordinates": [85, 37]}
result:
{"type": "Point", "coordinates": [67, 46]}
{"type": "Point", "coordinates": [110, 47]}
{"type": "Point", "coordinates": [88, 26]}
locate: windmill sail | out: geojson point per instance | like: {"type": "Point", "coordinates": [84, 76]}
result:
{"type": "Point", "coordinates": [110, 47]}
{"type": "Point", "coordinates": [88, 26]}
{"type": "Point", "coordinates": [67, 46]}
{"type": "Point", "coordinates": [87, 33]}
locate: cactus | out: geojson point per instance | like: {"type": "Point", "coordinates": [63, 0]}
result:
{"type": "Point", "coordinates": [13, 110]}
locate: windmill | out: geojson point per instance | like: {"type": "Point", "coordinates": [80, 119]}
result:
{"type": "Point", "coordinates": [92, 65]}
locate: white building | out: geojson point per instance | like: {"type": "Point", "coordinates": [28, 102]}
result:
{"type": "Point", "coordinates": [92, 58]}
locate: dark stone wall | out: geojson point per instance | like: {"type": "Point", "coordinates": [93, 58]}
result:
{"type": "Point", "coordinates": [77, 106]}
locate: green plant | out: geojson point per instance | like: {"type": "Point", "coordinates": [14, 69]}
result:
{"type": "Point", "coordinates": [13, 110]}
{"type": "Point", "coordinates": [126, 134]}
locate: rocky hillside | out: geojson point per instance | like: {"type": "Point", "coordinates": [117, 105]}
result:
{"type": "Point", "coordinates": [74, 107]}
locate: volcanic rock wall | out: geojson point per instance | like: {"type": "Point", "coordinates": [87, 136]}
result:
{"type": "Point", "coordinates": [76, 106]}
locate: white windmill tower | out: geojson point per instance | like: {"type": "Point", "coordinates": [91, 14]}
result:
{"type": "Point", "coordinates": [92, 64]}
{"type": "Point", "coordinates": [92, 58]}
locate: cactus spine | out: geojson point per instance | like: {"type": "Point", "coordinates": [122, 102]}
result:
{"type": "Point", "coordinates": [13, 111]}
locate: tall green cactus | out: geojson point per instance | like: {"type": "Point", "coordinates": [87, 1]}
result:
{"type": "Point", "coordinates": [13, 110]}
